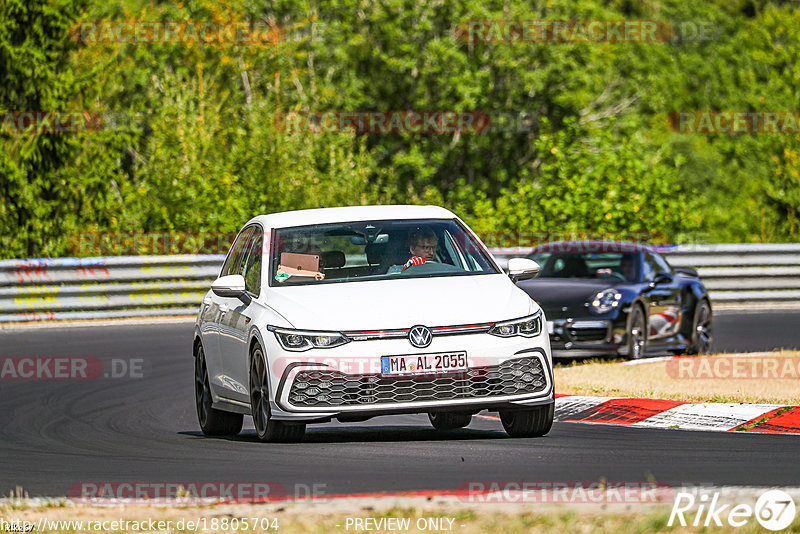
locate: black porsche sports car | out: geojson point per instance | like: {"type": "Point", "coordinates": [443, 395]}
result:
{"type": "Point", "coordinates": [609, 298]}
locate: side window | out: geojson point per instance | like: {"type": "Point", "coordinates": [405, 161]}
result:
{"type": "Point", "coordinates": [252, 263]}
{"type": "Point", "coordinates": [663, 266]}
{"type": "Point", "coordinates": [234, 259]}
{"type": "Point", "coordinates": [544, 259]}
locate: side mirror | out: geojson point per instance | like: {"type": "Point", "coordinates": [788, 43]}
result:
{"type": "Point", "coordinates": [522, 269]}
{"type": "Point", "coordinates": [231, 286]}
{"type": "Point", "coordinates": [661, 278]}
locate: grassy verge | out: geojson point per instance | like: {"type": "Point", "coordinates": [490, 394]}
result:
{"type": "Point", "coordinates": [760, 378]}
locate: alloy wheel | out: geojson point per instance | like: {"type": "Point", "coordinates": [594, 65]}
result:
{"type": "Point", "coordinates": [259, 392]}
{"type": "Point", "coordinates": [202, 389]}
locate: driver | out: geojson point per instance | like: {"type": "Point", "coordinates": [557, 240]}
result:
{"type": "Point", "coordinates": [422, 245]}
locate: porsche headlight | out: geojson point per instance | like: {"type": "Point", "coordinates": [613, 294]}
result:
{"type": "Point", "coordinates": [605, 301]}
{"type": "Point", "coordinates": [300, 340]}
{"type": "Point", "coordinates": [527, 326]}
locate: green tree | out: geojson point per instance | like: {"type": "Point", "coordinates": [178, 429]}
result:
{"type": "Point", "coordinates": [39, 196]}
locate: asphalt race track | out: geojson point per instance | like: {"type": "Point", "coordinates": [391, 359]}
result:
{"type": "Point", "coordinates": [56, 433]}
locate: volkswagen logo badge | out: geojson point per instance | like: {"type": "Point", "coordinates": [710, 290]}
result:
{"type": "Point", "coordinates": [420, 337]}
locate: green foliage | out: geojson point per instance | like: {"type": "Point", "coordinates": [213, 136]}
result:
{"type": "Point", "coordinates": [196, 145]}
{"type": "Point", "coordinates": [36, 191]}
{"type": "Point", "coordinates": [613, 182]}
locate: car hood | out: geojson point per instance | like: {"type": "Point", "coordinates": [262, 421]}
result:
{"type": "Point", "coordinates": [559, 296]}
{"type": "Point", "coordinates": [437, 301]}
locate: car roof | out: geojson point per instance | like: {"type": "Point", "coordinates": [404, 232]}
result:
{"type": "Point", "coordinates": [287, 219]}
{"type": "Point", "coordinates": [593, 246]}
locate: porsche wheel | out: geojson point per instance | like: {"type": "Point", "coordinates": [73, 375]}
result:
{"type": "Point", "coordinates": [702, 329]}
{"type": "Point", "coordinates": [637, 334]}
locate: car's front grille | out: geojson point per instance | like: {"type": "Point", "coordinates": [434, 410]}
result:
{"type": "Point", "coordinates": [588, 334]}
{"type": "Point", "coordinates": [331, 388]}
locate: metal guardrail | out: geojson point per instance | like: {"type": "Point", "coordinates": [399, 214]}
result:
{"type": "Point", "coordinates": [104, 287]}
{"type": "Point", "coordinates": [733, 273]}
{"type": "Point", "coordinates": [131, 286]}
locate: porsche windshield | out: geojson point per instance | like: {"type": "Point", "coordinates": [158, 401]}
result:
{"type": "Point", "coordinates": [612, 265]}
{"type": "Point", "coordinates": [375, 250]}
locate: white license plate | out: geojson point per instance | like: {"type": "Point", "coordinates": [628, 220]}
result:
{"type": "Point", "coordinates": [423, 364]}
{"type": "Point", "coordinates": [549, 327]}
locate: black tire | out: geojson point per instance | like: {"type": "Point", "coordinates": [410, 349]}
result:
{"type": "Point", "coordinates": [637, 334]}
{"type": "Point", "coordinates": [267, 428]}
{"type": "Point", "coordinates": [702, 336]}
{"type": "Point", "coordinates": [528, 423]}
{"type": "Point", "coordinates": [213, 422]}
{"type": "Point", "coordinates": [449, 420]}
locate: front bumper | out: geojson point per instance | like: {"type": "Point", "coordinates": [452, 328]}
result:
{"type": "Point", "coordinates": [587, 336]}
{"type": "Point", "coordinates": [321, 384]}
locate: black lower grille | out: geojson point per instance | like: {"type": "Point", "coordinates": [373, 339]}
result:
{"type": "Point", "coordinates": [588, 334]}
{"type": "Point", "coordinates": [330, 388]}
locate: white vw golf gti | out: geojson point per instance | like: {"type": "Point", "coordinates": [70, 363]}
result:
{"type": "Point", "coordinates": [350, 313]}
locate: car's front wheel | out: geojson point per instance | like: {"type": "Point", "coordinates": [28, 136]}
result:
{"type": "Point", "coordinates": [213, 422]}
{"type": "Point", "coordinates": [702, 329]}
{"type": "Point", "coordinates": [528, 423]}
{"type": "Point", "coordinates": [267, 428]}
{"type": "Point", "coordinates": [637, 334]}
{"type": "Point", "coordinates": [449, 420]}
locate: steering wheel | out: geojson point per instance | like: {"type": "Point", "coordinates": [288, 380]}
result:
{"type": "Point", "coordinates": [415, 266]}
{"type": "Point", "coordinates": [434, 267]}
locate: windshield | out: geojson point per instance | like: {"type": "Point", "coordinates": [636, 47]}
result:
{"type": "Point", "coordinates": [609, 265]}
{"type": "Point", "coordinates": [375, 250]}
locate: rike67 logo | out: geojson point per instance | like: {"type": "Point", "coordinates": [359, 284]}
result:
{"type": "Point", "coordinates": [774, 510]}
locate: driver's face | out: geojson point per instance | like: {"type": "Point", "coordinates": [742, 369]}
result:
{"type": "Point", "coordinates": [425, 248]}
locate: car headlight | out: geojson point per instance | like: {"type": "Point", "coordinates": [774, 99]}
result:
{"type": "Point", "coordinates": [605, 301]}
{"type": "Point", "coordinates": [527, 326]}
{"type": "Point", "coordinates": [300, 340]}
